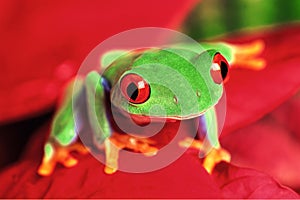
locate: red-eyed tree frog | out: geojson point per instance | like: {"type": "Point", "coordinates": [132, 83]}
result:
{"type": "Point", "coordinates": [130, 84]}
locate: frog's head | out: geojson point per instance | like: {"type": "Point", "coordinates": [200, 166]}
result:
{"type": "Point", "coordinates": [167, 83]}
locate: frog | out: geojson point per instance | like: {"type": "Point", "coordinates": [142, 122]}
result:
{"type": "Point", "coordinates": [130, 85]}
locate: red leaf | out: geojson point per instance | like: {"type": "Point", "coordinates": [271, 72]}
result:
{"type": "Point", "coordinates": [244, 183]}
{"type": "Point", "coordinates": [252, 94]}
{"type": "Point", "coordinates": [39, 36]}
{"type": "Point", "coordinates": [185, 178]}
{"type": "Point", "coordinates": [270, 144]}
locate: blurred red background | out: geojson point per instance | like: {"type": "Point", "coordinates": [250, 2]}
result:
{"type": "Point", "coordinates": [44, 42]}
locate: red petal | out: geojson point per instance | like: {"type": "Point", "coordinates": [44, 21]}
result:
{"type": "Point", "coordinates": [39, 36]}
{"type": "Point", "coordinates": [271, 144]}
{"type": "Point", "coordinates": [244, 183]}
{"type": "Point", "coordinates": [185, 178]}
{"type": "Point", "coordinates": [252, 94]}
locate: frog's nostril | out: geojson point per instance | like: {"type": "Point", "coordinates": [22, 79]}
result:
{"type": "Point", "coordinates": [198, 93]}
{"type": "Point", "coordinates": [175, 100]}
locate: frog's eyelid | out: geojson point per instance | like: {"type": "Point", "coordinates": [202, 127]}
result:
{"type": "Point", "coordinates": [215, 73]}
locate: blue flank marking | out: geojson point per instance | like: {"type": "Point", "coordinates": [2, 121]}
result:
{"type": "Point", "coordinates": [106, 84]}
{"type": "Point", "coordinates": [202, 128]}
{"type": "Point", "coordinates": [107, 88]}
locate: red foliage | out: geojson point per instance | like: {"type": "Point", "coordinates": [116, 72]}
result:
{"type": "Point", "coordinates": [242, 183]}
{"type": "Point", "coordinates": [271, 144]}
{"type": "Point", "coordinates": [41, 36]}
{"type": "Point", "coordinates": [37, 37]}
{"type": "Point", "coordinates": [252, 94]}
{"type": "Point", "coordinates": [185, 178]}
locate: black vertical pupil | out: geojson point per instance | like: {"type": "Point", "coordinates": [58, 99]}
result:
{"type": "Point", "coordinates": [132, 91]}
{"type": "Point", "coordinates": [224, 69]}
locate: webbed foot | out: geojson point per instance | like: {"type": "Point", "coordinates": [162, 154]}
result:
{"type": "Point", "coordinates": [59, 154]}
{"type": "Point", "coordinates": [213, 157]}
{"type": "Point", "coordinates": [118, 142]}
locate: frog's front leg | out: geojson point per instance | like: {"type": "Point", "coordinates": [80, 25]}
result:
{"type": "Point", "coordinates": [63, 138]}
{"type": "Point", "coordinates": [117, 142]}
{"type": "Point", "coordinates": [210, 147]}
{"type": "Point", "coordinates": [213, 155]}
{"type": "Point", "coordinates": [96, 89]}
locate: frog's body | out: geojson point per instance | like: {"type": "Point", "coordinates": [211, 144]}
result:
{"type": "Point", "coordinates": [186, 83]}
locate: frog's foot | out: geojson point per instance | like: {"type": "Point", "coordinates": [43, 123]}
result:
{"type": "Point", "coordinates": [214, 157]}
{"type": "Point", "coordinates": [59, 154]}
{"type": "Point", "coordinates": [247, 55]}
{"type": "Point", "coordinates": [118, 142]}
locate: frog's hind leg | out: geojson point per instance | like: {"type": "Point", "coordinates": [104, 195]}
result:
{"type": "Point", "coordinates": [248, 55]}
{"type": "Point", "coordinates": [244, 55]}
{"type": "Point", "coordinates": [63, 138]}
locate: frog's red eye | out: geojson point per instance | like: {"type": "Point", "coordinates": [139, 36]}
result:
{"type": "Point", "coordinates": [135, 89]}
{"type": "Point", "coordinates": [219, 69]}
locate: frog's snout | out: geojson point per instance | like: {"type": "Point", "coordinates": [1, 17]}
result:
{"type": "Point", "coordinates": [197, 93]}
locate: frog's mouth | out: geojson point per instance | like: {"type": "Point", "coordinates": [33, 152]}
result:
{"type": "Point", "coordinates": [145, 120]}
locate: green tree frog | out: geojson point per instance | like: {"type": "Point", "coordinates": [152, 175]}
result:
{"type": "Point", "coordinates": [129, 84]}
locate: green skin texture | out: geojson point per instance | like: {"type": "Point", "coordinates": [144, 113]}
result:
{"type": "Point", "coordinates": [195, 91]}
